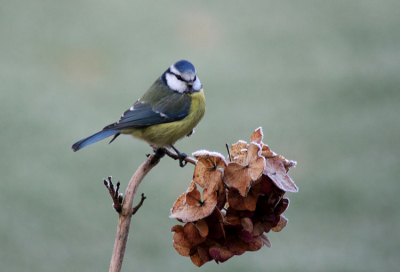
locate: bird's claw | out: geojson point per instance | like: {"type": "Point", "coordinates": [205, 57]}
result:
{"type": "Point", "coordinates": [182, 157]}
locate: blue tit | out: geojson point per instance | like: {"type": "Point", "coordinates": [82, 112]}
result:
{"type": "Point", "coordinates": [168, 111]}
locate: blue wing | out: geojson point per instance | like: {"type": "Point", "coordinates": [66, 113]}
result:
{"type": "Point", "coordinates": [158, 105]}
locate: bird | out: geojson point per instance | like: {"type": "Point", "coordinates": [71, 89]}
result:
{"type": "Point", "coordinates": [168, 111]}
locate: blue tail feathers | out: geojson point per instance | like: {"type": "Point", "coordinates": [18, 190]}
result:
{"type": "Point", "coordinates": [93, 139]}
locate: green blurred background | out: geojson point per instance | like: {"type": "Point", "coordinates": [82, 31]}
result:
{"type": "Point", "coordinates": [320, 77]}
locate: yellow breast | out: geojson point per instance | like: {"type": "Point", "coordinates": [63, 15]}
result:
{"type": "Point", "coordinates": [167, 134]}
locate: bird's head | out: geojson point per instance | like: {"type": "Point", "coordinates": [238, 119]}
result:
{"type": "Point", "coordinates": [181, 77]}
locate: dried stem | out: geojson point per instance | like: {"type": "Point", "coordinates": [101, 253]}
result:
{"type": "Point", "coordinates": [127, 211]}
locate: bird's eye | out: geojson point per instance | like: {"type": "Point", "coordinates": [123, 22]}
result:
{"type": "Point", "coordinates": [179, 77]}
{"type": "Point", "coordinates": [194, 78]}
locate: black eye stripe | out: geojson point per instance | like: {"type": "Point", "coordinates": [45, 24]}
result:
{"type": "Point", "coordinates": [181, 78]}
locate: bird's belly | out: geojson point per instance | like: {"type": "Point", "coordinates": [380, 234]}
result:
{"type": "Point", "coordinates": [167, 134]}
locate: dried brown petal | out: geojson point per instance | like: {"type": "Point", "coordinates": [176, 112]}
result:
{"type": "Point", "coordinates": [237, 245]}
{"type": "Point", "coordinates": [184, 251]}
{"type": "Point", "coordinates": [181, 201]}
{"type": "Point", "coordinates": [194, 209]}
{"type": "Point", "coordinates": [203, 252]}
{"type": "Point", "coordinates": [257, 136]}
{"type": "Point", "coordinates": [236, 176]}
{"type": "Point", "coordinates": [193, 197]}
{"type": "Point", "coordinates": [246, 236]}
{"type": "Point", "coordinates": [209, 169]}
{"type": "Point", "coordinates": [264, 184]}
{"type": "Point", "coordinates": [179, 237]}
{"type": "Point", "coordinates": [256, 244]}
{"type": "Point", "coordinates": [220, 254]}
{"type": "Point", "coordinates": [267, 152]}
{"type": "Point", "coordinates": [221, 196]}
{"type": "Point", "coordinates": [238, 202]}
{"type": "Point", "coordinates": [265, 240]}
{"type": "Point", "coordinates": [232, 217]}
{"type": "Point", "coordinates": [192, 234]}
{"type": "Point", "coordinates": [215, 224]}
{"type": "Point", "coordinates": [287, 163]}
{"type": "Point", "coordinates": [277, 172]}
{"type": "Point", "coordinates": [254, 161]}
{"type": "Point", "coordinates": [240, 176]}
{"type": "Point", "coordinates": [247, 224]}
{"type": "Point", "coordinates": [197, 260]}
{"type": "Point", "coordinates": [202, 226]}
{"type": "Point", "coordinates": [282, 206]}
{"type": "Point", "coordinates": [238, 152]}
{"type": "Point", "coordinates": [258, 229]}
{"type": "Point", "coordinates": [281, 224]}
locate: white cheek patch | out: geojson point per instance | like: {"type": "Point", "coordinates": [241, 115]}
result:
{"type": "Point", "coordinates": [174, 83]}
{"type": "Point", "coordinates": [197, 84]}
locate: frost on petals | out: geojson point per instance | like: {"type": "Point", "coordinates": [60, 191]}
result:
{"type": "Point", "coordinates": [242, 200]}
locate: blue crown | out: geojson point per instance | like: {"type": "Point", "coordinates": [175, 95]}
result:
{"type": "Point", "coordinates": [184, 66]}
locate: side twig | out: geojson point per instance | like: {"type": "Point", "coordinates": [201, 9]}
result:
{"type": "Point", "coordinates": [114, 193]}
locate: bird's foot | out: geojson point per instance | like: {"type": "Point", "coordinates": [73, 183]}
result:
{"type": "Point", "coordinates": [181, 157]}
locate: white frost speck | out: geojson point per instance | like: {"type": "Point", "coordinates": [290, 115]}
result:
{"type": "Point", "coordinates": [205, 153]}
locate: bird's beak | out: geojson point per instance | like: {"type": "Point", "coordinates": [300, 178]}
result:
{"type": "Point", "coordinates": [190, 83]}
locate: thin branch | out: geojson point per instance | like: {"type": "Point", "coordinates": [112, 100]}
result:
{"type": "Point", "coordinates": [126, 213]}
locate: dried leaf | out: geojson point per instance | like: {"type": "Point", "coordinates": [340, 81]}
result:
{"type": "Point", "coordinates": [232, 217]}
{"type": "Point", "coordinates": [240, 176]}
{"type": "Point", "coordinates": [203, 252]}
{"type": "Point", "coordinates": [179, 237]}
{"type": "Point", "coordinates": [247, 224]}
{"type": "Point", "coordinates": [258, 229]}
{"type": "Point", "coordinates": [221, 196]}
{"type": "Point", "coordinates": [238, 152]}
{"type": "Point", "coordinates": [184, 251]}
{"type": "Point", "coordinates": [220, 254]}
{"type": "Point", "coordinates": [215, 224]}
{"type": "Point", "coordinates": [202, 226]}
{"type": "Point", "coordinates": [257, 136]}
{"type": "Point", "coordinates": [192, 209]}
{"type": "Point", "coordinates": [281, 224]}
{"type": "Point", "coordinates": [237, 245]}
{"type": "Point", "coordinates": [246, 236]}
{"type": "Point", "coordinates": [193, 197]}
{"type": "Point", "coordinates": [209, 170]}
{"type": "Point", "coordinates": [277, 172]}
{"type": "Point", "coordinates": [267, 152]}
{"type": "Point", "coordinates": [287, 163]}
{"type": "Point", "coordinates": [265, 240]}
{"type": "Point", "coordinates": [193, 234]}
{"type": "Point", "coordinates": [197, 260]}
{"type": "Point", "coordinates": [239, 202]}
{"type": "Point", "coordinates": [264, 184]}
{"type": "Point", "coordinates": [256, 244]}
{"type": "Point", "coordinates": [282, 206]}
